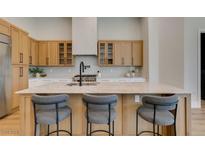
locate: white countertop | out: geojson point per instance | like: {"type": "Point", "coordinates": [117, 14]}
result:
{"type": "Point", "coordinates": [33, 82]}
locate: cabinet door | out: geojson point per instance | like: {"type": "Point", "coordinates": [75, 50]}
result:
{"type": "Point", "coordinates": [34, 53]}
{"type": "Point", "coordinates": [123, 53]}
{"type": "Point", "coordinates": [15, 85]}
{"type": "Point", "coordinates": [68, 53]}
{"type": "Point", "coordinates": [24, 48]}
{"type": "Point", "coordinates": [23, 77]}
{"type": "Point", "coordinates": [53, 53]}
{"type": "Point", "coordinates": [137, 53]}
{"type": "Point", "coordinates": [101, 53]}
{"type": "Point", "coordinates": [61, 53]}
{"type": "Point", "coordinates": [15, 46]}
{"type": "Point", "coordinates": [43, 54]}
{"type": "Point", "coordinates": [4, 27]}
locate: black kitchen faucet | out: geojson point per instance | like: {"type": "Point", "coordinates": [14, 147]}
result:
{"type": "Point", "coordinates": [82, 69]}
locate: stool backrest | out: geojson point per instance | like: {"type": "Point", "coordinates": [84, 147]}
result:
{"type": "Point", "coordinates": [49, 102]}
{"type": "Point", "coordinates": [164, 103]}
{"type": "Point", "coordinates": [100, 102]}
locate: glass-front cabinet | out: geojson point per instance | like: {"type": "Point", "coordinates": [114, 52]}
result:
{"type": "Point", "coordinates": [105, 53]}
{"type": "Point", "coordinates": [65, 53]}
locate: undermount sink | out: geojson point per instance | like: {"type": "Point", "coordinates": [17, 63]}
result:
{"type": "Point", "coordinates": [83, 84]}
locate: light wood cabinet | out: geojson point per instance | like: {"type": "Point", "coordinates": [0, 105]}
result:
{"type": "Point", "coordinates": [105, 53]}
{"type": "Point", "coordinates": [123, 53]}
{"type": "Point", "coordinates": [19, 82]}
{"type": "Point", "coordinates": [137, 53]}
{"type": "Point", "coordinates": [4, 27]}
{"type": "Point", "coordinates": [53, 53]}
{"type": "Point", "coordinates": [120, 53]}
{"type": "Point", "coordinates": [33, 58]}
{"type": "Point", "coordinates": [19, 46]}
{"type": "Point", "coordinates": [43, 54]}
{"type": "Point", "coordinates": [65, 56]}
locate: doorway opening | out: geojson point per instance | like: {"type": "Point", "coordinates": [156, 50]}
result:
{"type": "Point", "coordinates": [202, 53]}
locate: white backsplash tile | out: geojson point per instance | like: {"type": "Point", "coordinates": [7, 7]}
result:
{"type": "Point", "coordinates": [106, 72]}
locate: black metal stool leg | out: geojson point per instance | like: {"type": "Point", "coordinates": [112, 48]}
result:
{"type": "Point", "coordinates": [113, 128]}
{"type": "Point", "coordinates": [48, 130]}
{"type": "Point", "coordinates": [35, 129]}
{"type": "Point", "coordinates": [57, 129]}
{"type": "Point", "coordinates": [87, 128]}
{"type": "Point", "coordinates": [175, 129]}
{"type": "Point", "coordinates": [136, 123]}
{"type": "Point", "coordinates": [153, 128]}
{"type": "Point", "coordinates": [71, 127]}
{"type": "Point", "coordinates": [90, 128]}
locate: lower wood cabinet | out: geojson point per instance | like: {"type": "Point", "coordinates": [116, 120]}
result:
{"type": "Point", "coordinates": [19, 82]}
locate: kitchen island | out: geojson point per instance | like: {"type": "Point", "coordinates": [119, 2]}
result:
{"type": "Point", "coordinates": [128, 100]}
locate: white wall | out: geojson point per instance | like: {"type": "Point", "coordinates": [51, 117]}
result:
{"type": "Point", "coordinates": [171, 51]}
{"type": "Point", "coordinates": [53, 28]}
{"type": "Point", "coordinates": [45, 28]}
{"type": "Point", "coordinates": [191, 29]}
{"type": "Point", "coordinates": [28, 24]}
{"type": "Point", "coordinates": [153, 50]}
{"type": "Point", "coordinates": [119, 28]}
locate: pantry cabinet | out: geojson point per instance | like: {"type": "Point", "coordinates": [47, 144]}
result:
{"type": "Point", "coordinates": [19, 46]}
{"type": "Point", "coordinates": [19, 82]}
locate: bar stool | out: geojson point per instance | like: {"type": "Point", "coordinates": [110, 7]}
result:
{"type": "Point", "coordinates": [50, 110]}
{"type": "Point", "coordinates": [160, 111]}
{"type": "Point", "coordinates": [100, 110]}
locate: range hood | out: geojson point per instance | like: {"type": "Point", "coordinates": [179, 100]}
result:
{"type": "Point", "coordinates": [84, 35]}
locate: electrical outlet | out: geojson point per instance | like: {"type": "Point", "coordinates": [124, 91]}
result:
{"type": "Point", "coordinates": [110, 70]}
{"type": "Point", "coordinates": [51, 70]}
{"type": "Point", "coordinates": [137, 99]}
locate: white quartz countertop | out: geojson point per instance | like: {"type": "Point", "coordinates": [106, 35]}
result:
{"type": "Point", "coordinates": [104, 88]}
{"type": "Point", "coordinates": [33, 82]}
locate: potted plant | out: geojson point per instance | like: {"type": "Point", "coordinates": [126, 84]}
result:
{"type": "Point", "coordinates": [36, 71]}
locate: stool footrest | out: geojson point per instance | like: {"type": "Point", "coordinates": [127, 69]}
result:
{"type": "Point", "coordinates": [61, 131]}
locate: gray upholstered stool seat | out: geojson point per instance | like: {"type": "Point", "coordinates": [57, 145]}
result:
{"type": "Point", "coordinates": [49, 116]}
{"type": "Point", "coordinates": [158, 110]}
{"type": "Point", "coordinates": [100, 109]}
{"type": "Point", "coordinates": [162, 117]}
{"type": "Point", "coordinates": [51, 109]}
{"type": "Point", "coordinates": [101, 116]}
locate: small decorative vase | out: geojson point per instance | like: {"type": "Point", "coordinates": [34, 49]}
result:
{"type": "Point", "coordinates": [38, 75]}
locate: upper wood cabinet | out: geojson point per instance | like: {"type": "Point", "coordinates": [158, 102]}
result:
{"type": "Point", "coordinates": [43, 53]}
{"type": "Point", "coordinates": [105, 53]}
{"type": "Point", "coordinates": [19, 46]}
{"type": "Point", "coordinates": [33, 57]}
{"type": "Point", "coordinates": [4, 27]}
{"type": "Point", "coordinates": [120, 53]}
{"type": "Point", "coordinates": [123, 53]}
{"type": "Point", "coordinates": [53, 53]}
{"type": "Point", "coordinates": [137, 53]}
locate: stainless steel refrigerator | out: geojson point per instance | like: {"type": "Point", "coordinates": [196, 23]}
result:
{"type": "Point", "coordinates": [5, 76]}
